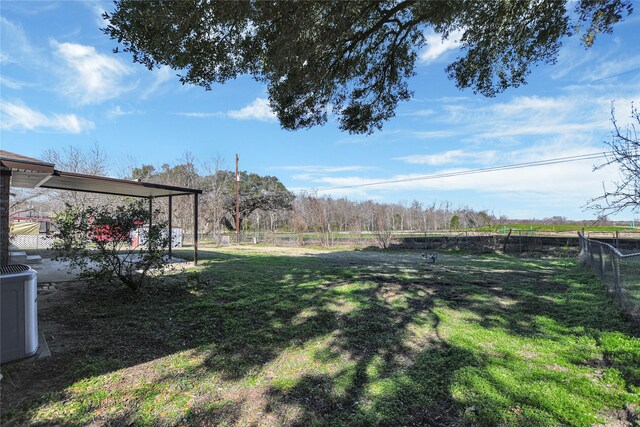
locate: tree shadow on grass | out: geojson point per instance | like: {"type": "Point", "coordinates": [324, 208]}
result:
{"type": "Point", "coordinates": [421, 392]}
{"type": "Point", "coordinates": [417, 395]}
{"type": "Point", "coordinates": [239, 313]}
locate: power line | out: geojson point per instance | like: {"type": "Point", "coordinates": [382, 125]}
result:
{"type": "Point", "coordinates": [553, 161]}
{"type": "Point", "coordinates": [633, 70]}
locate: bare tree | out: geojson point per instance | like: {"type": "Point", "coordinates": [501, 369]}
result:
{"type": "Point", "coordinates": [214, 185]}
{"type": "Point", "coordinates": [92, 161]}
{"type": "Point", "coordinates": [381, 231]}
{"type": "Point", "coordinates": [25, 201]}
{"type": "Point", "coordinates": [625, 152]}
{"type": "Point", "coordinates": [298, 224]}
{"type": "Point", "coordinates": [43, 201]}
{"type": "Point", "coordinates": [73, 159]}
{"type": "Point", "coordinates": [320, 219]}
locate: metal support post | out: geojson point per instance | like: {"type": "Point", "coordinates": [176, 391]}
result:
{"type": "Point", "coordinates": [150, 223]}
{"type": "Point", "coordinates": [170, 227]}
{"type": "Point", "coordinates": [237, 202]}
{"type": "Point", "coordinates": [195, 229]}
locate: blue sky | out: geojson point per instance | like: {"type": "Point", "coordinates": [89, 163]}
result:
{"type": "Point", "coordinates": [61, 85]}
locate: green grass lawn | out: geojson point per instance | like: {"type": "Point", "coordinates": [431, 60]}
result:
{"type": "Point", "coordinates": [259, 336]}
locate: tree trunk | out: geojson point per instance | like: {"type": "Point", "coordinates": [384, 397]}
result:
{"type": "Point", "coordinates": [225, 221]}
{"type": "Point", "coordinates": [506, 240]}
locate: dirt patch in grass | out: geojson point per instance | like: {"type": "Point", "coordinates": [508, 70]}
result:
{"type": "Point", "coordinates": [626, 417]}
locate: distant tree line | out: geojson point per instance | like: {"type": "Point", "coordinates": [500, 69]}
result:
{"type": "Point", "coordinates": [265, 203]}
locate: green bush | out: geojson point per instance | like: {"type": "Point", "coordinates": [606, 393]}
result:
{"type": "Point", "coordinates": [98, 241]}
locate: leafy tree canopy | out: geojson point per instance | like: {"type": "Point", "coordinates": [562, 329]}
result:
{"type": "Point", "coordinates": [266, 193]}
{"type": "Point", "coordinates": [351, 57]}
{"type": "Point", "coordinates": [256, 192]}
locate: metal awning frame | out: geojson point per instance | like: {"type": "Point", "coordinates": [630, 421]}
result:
{"type": "Point", "coordinates": [39, 174]}
{"type": "Point", "coordinates": [60, 180]}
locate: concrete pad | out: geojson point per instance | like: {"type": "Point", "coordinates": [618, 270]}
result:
{"type": "Point", "coordinates": [17, 257]}
{"type": "Point", "coordinates": [33, 259]}
{"type": "Point", "coordinates": [50, 271]}
{"type": "Point", "coordinates": [136, 258]}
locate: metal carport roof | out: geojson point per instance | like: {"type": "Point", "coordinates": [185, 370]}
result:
{"type": "Point", "coordinates": [27, 172]}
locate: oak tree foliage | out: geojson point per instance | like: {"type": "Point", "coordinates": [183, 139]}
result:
{"type": "Point", "coordinates": [256, 192]}
{"type": "Point", "coordinates": [352, 58]}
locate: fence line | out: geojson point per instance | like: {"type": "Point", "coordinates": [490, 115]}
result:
{"type": "Point", "coordinates": [475, 241]}
{"type": "Point", "coordinates": [620, 273]}
{"type": "Point", "coordinates": [32, 241]}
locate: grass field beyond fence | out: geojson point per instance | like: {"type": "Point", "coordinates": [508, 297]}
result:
{"type": "Point", "coordinates": [264, 336]}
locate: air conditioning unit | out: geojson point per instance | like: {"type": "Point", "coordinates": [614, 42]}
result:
{"type": "Point", "coordinates": [18, 312]}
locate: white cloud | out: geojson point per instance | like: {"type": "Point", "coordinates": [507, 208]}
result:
{"type": "Point", "coordinates": [425, 112]}
{"type": "Point", "coordinates": [15, 44]}
{"type": "Point", "coordinates": [571, 183]}
{"type": "Point", "coordinates": [90, 77]}
{"type": "Point", "coordinates": [11, 83]}
{"type": "Point", "coordinates": [258, 110]}
{"type": "Point", "coordinates": [437, 46]}
{"type": "Point", "coordinates": [533, 104]}
{"type": "Point", "coordinates": [582, 115]}
{"type": "Point", "coordinates": [579, 115]}
{"type": "Point", "coordinates": [17, 116]}
{"type": "Point", "coordinates": [31, 7]}
{"type": "Point", "coordinates": [201, 115]}
{"type": "Point", "coordinates": [117, 111]}
{"type": "Point", "coordinates": [161, 76]}
{"type": "Point", "coordinates": [325, 169]}
{"type": "Point", "coordinates": [590, 66]}
{"type": "Point", "coordinates": [605, 70]}
{"type": "Point", "coordinates": [98, 10]}
{"type": "Point", "coordinates": [304, 177]}
{"type": "Point", "coordinates": [430, 134]}
{"type": "Point", "coordinates": [451, 157]}
{"type": "Point", "coordinates": [565, 184]}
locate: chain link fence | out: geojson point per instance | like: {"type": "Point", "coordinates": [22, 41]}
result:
{"type": "Point", "coordinates": [619, 272]}
{"type": "Point", "coordinates": [32, 241]}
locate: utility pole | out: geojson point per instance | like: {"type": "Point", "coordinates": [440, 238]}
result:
{"type": "Point", "coordinates": [237, 202]}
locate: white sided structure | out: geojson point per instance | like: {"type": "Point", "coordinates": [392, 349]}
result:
{"type": "Point", "coordinates": [139, 236]}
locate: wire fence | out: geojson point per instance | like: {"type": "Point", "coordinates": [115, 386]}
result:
{"type": "Point", "coordinates": [620, 273]}
{"type": "Point", "coordinates": [32, 241]}
{"type": "Point", "coordinates": [513, 241]}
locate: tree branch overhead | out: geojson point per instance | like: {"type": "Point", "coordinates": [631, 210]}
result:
{"type": "Point", "coordinates": [352, 58]}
